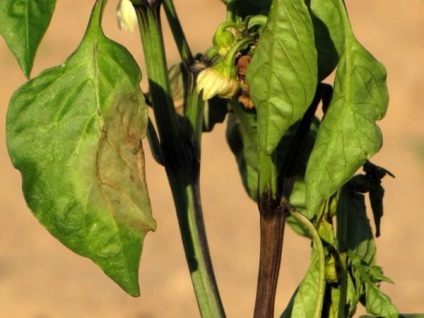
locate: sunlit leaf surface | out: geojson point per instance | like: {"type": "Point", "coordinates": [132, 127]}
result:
{"type": "Point", "coordinates": [75, 134]}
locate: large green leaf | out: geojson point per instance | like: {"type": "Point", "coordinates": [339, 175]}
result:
{"type": "Point", "coordinates": [348, 134]}
{"type": "Point", "coordinates": [282, 75]}
{"type": "Point", "coordinates": [75, 134]}
{"type": "Point", "coordinates": [22, 25]}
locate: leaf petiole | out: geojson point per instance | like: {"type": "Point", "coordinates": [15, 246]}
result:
{"type": "Point", "coordinates": [321, 258]}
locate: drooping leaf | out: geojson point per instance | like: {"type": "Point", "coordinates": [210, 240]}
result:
{"type": "Point", "coordinates": [282, 75]}
{"type": "Point", "coordinates": [353, 227]}
{"type": "Point", "coordinates": [376, 200]}
{"type": "Point", "coordinates": [348, 134]}
{"type": "Point", "coordinates": [376, 193]}
{"type": "Point", "coordinates": [22, 25]}
{"type": "Point", "coordinates": [75, 134]}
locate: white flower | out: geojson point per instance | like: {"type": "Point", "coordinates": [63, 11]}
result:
{"type": "Point", "coordinates": [125, 13]}
{"type": "Point", "coordinates": [218, 80]}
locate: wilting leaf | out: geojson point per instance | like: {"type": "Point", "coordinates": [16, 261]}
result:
{"type": "Point", "coordinates": [353, 227]}
{"type": "Point", "coordinates": [22, 25]}
{"type": "Point", "coordinates": [348, 134]}
{"type": "Point", "coordinates": [75, 134]}
{"type": "Point", "coordinates": [282, 75]}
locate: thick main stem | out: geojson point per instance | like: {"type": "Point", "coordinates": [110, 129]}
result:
{"type": "Point", "coordinates": [272, 219]}
{"type": "Point", "coordinates": [180, 160]}
{"type": "Point", "coordinates": [274, 193]}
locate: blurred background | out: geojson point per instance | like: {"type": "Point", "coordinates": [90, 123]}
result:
{"type": "Point", "coordinates": [39, 278]}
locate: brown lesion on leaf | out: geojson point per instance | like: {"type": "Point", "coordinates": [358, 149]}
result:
{"type": "Point", "coordinates": [120, 163]}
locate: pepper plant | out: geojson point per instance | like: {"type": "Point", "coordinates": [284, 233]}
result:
{"type": "Point", "coordinates": [302, 142]}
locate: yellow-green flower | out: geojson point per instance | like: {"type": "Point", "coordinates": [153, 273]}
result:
{"type": "Point", "coordinates": [220, 80]}
{"type": "Point", "coordinates": [126, 15]}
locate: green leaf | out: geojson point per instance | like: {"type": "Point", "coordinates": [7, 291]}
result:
{"type": "Point", "coordinates": [304, 301]}
{"type": "Point", "coordinates": [282, 75]}
{"type": "Point", "coordinates": [348, 134]}
{"type": "Point", "coordinates": [23, 24]}
{"type": "Point", "coordinates": [75, 134]}
{"type": "Point", "coordinates": [378, 303]}
{"type": "Point", "coordinates": [329, 35]}
{"type": "Point", "coordinates": [241, 137]}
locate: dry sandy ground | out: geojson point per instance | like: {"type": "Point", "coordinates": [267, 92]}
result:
{"type": "Point", "coordinates": [39, 278]}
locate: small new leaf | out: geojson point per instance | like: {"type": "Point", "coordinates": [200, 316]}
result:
{"type": "Point", "coordinates": [23, 24]}
{"type": "Point", "coordinates": [75, 134]}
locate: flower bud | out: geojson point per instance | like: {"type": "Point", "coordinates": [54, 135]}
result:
{"type": "Point", "coordinates": [223, 41]}
{"type": "Point", "coordinates": [125, 13]}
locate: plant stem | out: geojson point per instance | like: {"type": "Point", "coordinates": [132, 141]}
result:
{"type": "Point", "coordinates": [274, 192]}
{"type": "Point", "coordinates": [181, 163]}
{"type": "Point", "coordinates": [272, 219]}
{"type": "Point", "coordinates": [178, 33]}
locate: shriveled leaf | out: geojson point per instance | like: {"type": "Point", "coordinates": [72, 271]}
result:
{"type": "Point", "coordinates": [75, 134]}
{"type": "Point", "coordinates": [376, 200]}
{"type": "Point", "coordinates": [348, 134]}
{"type": "Point", "coordinates": [282, 75]}
{"type": "Point", "coordinates": [22, 25]}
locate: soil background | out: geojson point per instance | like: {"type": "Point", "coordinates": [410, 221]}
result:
{"type": "Point", "coordinates": [39, 278]}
